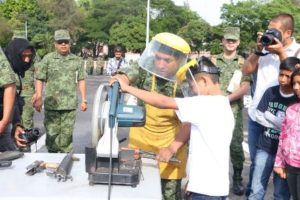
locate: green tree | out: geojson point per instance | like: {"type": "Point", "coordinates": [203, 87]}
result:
{"type": "Point", "coordinates": [44, 43]}
{"type": "Point", "coordinates": [63, 14]}
{"type": "Point", "coordinates": [17, 13]}
{"type": "Point", "coordinates": [130, 33]}
{"type": "Point", "coordinates": [5, 31]}
{"type": "Point", "coordinates": [253, 16]}
{"type": "Point", "coordinates": [196, 33]}
{"type": "Point", "coordinates": [104, 14]}
{"type": "Point", "coordinates": [167, 17]}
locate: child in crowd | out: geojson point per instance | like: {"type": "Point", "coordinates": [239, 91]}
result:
{"type": "Point", "coordinates": [287, 161]}
{"type": "Point", "coordinates": [211, 120]}
{"type": "Point", "coordinates": [270, 113]}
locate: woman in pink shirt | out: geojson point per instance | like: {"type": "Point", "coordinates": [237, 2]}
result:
{"type": "Point", "coordinates": [287, 162]}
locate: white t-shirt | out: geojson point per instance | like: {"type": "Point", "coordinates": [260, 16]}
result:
{"type": "Point", "coordinates": [212, 124]}
{"type": "Point", "coordinates": [267, 75]}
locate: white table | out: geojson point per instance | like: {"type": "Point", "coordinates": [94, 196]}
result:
{"type": "Point", "coordinates": [15, 184]}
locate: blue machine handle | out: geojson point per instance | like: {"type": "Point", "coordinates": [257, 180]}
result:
{"type": "Point", "coordinates": [114, 97]}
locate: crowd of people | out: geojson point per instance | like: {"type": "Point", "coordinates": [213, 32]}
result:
{"type": "Point", "coordinates": [193, 108]}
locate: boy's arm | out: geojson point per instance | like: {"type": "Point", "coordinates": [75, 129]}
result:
{"type": "Point", "coordinates": [166, 153]}
{"type": "Point", "coordinates": [265, 117]}
{"type": "Point", "coordinates": [152, 98]}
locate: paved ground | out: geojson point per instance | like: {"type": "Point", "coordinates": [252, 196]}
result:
{"type": "Point", "coordinates": [82, 132]}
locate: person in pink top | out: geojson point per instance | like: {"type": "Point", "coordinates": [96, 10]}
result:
{"type": "Point", "coordinates": [287, 161]}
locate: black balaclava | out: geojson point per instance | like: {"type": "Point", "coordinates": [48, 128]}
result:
{"type": "Point", "coordinates": [13, 53]}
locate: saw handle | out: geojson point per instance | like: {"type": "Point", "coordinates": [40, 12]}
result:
{"type": "Point", "coordinates": [114, 97]}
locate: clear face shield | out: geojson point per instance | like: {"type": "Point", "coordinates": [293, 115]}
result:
{"type": "Point", "coordinates": [162, 60]}
{"type": "Point", "coordinates": [186, 76]}
{"type": "Point", "coordinates": [186, 80]}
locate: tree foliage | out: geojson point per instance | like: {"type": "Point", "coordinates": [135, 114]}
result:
{"type": "Point", "coordinates": [130, 33]}
{"type": "Point", "coordinates": [254, 15]}
{"type": "Point", "coordinates": [123, 22]}
{"type": "Point", "coordinates": [196, 33]}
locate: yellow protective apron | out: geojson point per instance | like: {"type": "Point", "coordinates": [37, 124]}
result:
{"type": "Point", "coordinates": [160, 130]}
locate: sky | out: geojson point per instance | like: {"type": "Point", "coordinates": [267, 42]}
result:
{"type": "Point", "coordinates": [209, 10]}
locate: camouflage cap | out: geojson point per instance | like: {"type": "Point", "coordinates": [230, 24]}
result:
{"type": "Point", "coordinates": [19, 34]}
{"type": "Point", "coordinates": [232, 33]}
{"type": "Point", "coordinates": [61, 35]}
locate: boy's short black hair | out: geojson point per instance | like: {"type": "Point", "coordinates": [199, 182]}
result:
{"type": "Point", "coordinates": [290, 63]}
{"type": "Point", "coordinates": [295, 73]}
{"type": "Point", "coordinates": [205, 65]}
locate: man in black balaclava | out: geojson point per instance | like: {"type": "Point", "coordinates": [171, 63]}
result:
{"type": "Point", "coordinates": [20, 54]}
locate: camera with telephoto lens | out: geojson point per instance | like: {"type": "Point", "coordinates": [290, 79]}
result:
{"type": "Point", "coordinates": [31, 135]}
{"type": "Point", "coordinates": [269, 36]}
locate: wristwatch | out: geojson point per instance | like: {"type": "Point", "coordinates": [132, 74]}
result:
{"type": "Point", "coordinates": [84, 101]}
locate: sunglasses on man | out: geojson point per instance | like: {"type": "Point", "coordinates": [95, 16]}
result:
{"type": "Point", "coordinates": [62, 41]}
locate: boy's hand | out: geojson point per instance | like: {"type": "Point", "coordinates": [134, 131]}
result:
{"type": "Point", "coordinates": [280, 171]}
{"type": "Point", "coordinates": [164, 155]}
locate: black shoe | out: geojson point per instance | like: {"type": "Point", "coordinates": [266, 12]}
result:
{"type": "Point", "coordinates": [238, 188]}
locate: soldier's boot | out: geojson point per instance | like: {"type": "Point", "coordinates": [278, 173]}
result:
{"type": "Point", "coordinates": [238, 188]}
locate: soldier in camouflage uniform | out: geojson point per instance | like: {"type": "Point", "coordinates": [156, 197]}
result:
{"type": "Point", "coordinates": [162, 125]}
{"type": "Point", "coordinates": [89, 65]}
{"type": "Point", "coordinates": [20, 54]}
{"type": "Point", "coordinates": [27, 93]}
{"type": "Point", "coordinates": [62, 73]}
{"type": "Point", "coordinates": [235, 85]}
{"type": "Point", "coordinates": [100, 63]}
{"type": "Point", "coordinates": [27, 88]}
{"type": "Point", "coordinates": [7, 98]}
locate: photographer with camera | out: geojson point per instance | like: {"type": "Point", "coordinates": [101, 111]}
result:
{"type": "Point", "coordinates": [273, 46]}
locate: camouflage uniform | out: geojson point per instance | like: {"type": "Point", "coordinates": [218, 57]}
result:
{"type": "Point", "coordinates": [27, 88]}
{"type": "Point", "coordinates": [89, 65]}
{"type": "Point", "coordinates": [7, 76]}
{"type": "Point", "coordinates": [228, 67]}
{"type": "Point", "coordinates": [60, 73]}
{"type": "Point", "coordinates": [27, 92]}
{"type": "Point", "coordinates": [171, 188]}
{"type": "Point", "coordinates": [100, 65]}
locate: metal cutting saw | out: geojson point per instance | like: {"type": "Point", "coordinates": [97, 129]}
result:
{"type": "Point", "coordinates": [105, 162]}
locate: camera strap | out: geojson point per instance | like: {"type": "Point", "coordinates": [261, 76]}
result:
{"type": "Point", "coordinates": [260, 53]}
